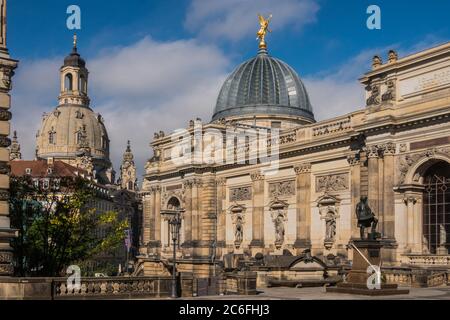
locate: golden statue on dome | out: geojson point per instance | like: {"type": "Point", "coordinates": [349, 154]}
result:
{"type": "Point", "coordinates": [264, 23]}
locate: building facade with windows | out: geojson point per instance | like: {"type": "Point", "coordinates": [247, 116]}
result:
{"type": "Point", "coordinates": [302, 192]}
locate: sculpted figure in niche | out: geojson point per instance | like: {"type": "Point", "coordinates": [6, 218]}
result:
{"type": "Point", "coordinates": [330, 223]}
{"type": "Point", "coordinates": [239, 230]}
{"type": "Point", "coordinates": [279, 229]}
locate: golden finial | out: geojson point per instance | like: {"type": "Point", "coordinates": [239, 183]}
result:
{"type": "Point", "coordinates": [75, 40]}
{"type": "Point", "coordinates": [261, 34]}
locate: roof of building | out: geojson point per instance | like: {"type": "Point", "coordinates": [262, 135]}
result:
{"type": "Point", "coordinates": [40, 168]}
{"type": "Point", "coordinates": [263, 85]}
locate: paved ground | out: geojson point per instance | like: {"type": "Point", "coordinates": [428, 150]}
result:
{"type": "Point", "coordinates": [437, 293]}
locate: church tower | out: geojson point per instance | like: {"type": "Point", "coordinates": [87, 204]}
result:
{"type": "Point", "coordinates": [73, 132]}
{"type": "Point", "coordinates": [128, 177]}
{"type": "Point", "coordinates": [14, 150]}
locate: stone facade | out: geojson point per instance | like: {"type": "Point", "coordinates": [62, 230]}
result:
{"type": "Point", "coordinates": [382, 151]}
{"type": "Point", "coordinates": [7, 66]}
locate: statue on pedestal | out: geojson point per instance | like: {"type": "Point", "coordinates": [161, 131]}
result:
{"type": "Point", "coordinates": [366, 219]}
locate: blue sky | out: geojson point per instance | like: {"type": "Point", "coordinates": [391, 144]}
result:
{"type": "Point", "coordinates": [152, 59]}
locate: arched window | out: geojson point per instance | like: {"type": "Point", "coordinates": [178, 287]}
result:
{"type": "Point", "coordinates": [436, 209]}
{"type": "Point", "coordinates": [130, 185]}
{"type": "Point", "coordinates": [79, 137]}
{"type": "Point", "coordinates": [52, 137]}
{"type": "Point", "coordinates": [83, 84]}
{"type": "Point", "coordinates": [68, 82]}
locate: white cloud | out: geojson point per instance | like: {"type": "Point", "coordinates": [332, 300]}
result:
{"type": "Point", "coordinates": [236, 19]}
{"type": "Point", "coordinates": [145, 87]}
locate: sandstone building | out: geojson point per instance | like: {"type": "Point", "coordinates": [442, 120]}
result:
{"type": "Point", "coordinates": [395, 150]}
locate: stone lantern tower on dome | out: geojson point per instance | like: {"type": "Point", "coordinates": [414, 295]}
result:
{"type": "Point", "coordinates": [73, 132]}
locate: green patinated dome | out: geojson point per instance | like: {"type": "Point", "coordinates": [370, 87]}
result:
{"type": "Point", "coordinates": [263, 85]}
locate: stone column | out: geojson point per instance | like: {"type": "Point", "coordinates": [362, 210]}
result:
{"type": "Point", "coordinates": [355, 171]}
{"type": "Point", "coordinates": [303, 194]}
{"type": "Point", "coordinates": [258, 210]}
{"type": "Point", "coordinates": [221, 211]}
{"type": "Point", "coordinates": [148, 218]}
{"type": "Point", "coordinates": [410, 202]}
{"type": "Point", "coordinates": [7, 66]}
{"type": "Point", "coordinates": [388, 191]}
{"type": "Point", "coordinates": [372, 154]}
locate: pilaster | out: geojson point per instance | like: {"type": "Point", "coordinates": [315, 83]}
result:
{"type": "Point", "coordinates": [303, 194]}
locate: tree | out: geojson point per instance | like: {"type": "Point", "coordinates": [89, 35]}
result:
{"type": "Point", "coordinates": [58, 224]}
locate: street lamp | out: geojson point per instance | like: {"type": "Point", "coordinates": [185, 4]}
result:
{"type": "Point", "coordinates": [174, 217]}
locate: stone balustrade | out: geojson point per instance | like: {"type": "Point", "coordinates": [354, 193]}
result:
{"type": "Point", "coordinates": [429, 260]}
{"type": "Point", "coordinates": [112, 287]}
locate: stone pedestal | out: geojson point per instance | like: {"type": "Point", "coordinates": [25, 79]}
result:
{"type": "Point", "coordinates": [356, 282]}
{"type": "Point", "coordinates": [441, 250]}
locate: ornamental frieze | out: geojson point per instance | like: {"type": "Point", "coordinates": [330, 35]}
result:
{"type": "Point", "coordinates": [5, 257]}
{"type": "Point", "coordinates": [5, 142]}
{"type": "Point", "coordinates": [5, 115]}
{"type": "Point", "coordinates": [332, 182]}
{"type": "Point", "coordinates": [241, 194]}
{"type": "Point", "coordinates": [406, 161]}
{"type": "Point", "coordinates": [282, 189]}
{"type": "Point", "coordinates": [4, 195]}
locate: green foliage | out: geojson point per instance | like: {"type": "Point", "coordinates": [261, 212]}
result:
{"type": "Point", "coordinates": [59, 225]}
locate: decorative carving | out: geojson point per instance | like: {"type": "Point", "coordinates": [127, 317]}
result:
{"type": "Point", "coordinates": [278, 213]}
{"type": "Point", "coordinates": [353, 159]}
{"type": "Point", "coordinates": [388, 149]}
{"type": "Point", "coordinates": [6, 257]}
{"type": "Point", "coordinates": [241, 194]}
{"type": "Point", "coordinates": [374, 98]}
{"type": "Point", "coordinates": [376, 62]}
{"type": "Point", "coordinates": [5, 142]}
{"type": "Point", "coordinates": [6, 83]}
{"type": "Point", "coordinates": [302, 168]}
{"type": "Point", "coordinates": [6, 269]}
{"type": "Point", "coordinates": [409, 199]}
{"type": "Point", "coordinates": [257, 175]}
{"type": "Point", "coordinates": [4, 168]}
{"type": "Point", "coordinates": [392, 56]}
{"type": "Point", "coordinates": [372, 151]}
{"type": "Point", "coordinates": [390, 92]}
{"type": "Point", "coordinates": [403, 147]}
{"type": "Point", "coordinates": [187, 184]}
{"type": "Point", "coordinates": [332, 182]}
{"type": "Point", "coordinates": [4, 195]}
{"type": "Point", "coordinates": [282, 189]}
{"type": "Point", "coordinates": [5, 115]}
{"type": "Point", "coordinates": [221, 181]}
{"type": "Point", "coordinates": [408, 160]}
{"type": "Point", "coordinates": [329, 212]}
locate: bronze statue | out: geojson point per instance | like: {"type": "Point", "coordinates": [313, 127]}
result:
{"type": "Point", "coordinates": [366, 219]}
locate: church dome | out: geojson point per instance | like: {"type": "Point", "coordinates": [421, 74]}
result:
{"type": "Point", "coordinates": [263, 85]}
{"type": "Point", "coordinates": [65, 131]}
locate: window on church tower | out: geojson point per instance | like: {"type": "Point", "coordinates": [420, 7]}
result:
{"type": "Point", "coordinates": [52, 137]}
{"type": "Point", "coordinates": [68, 82]}
{"type": "Point", "coordinates": [83, 84]}
{"type": "Point", "coordinates": [79, 137]}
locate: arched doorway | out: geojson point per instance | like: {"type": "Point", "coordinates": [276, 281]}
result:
{"type": "Point", "coordinates": [436, 208]}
